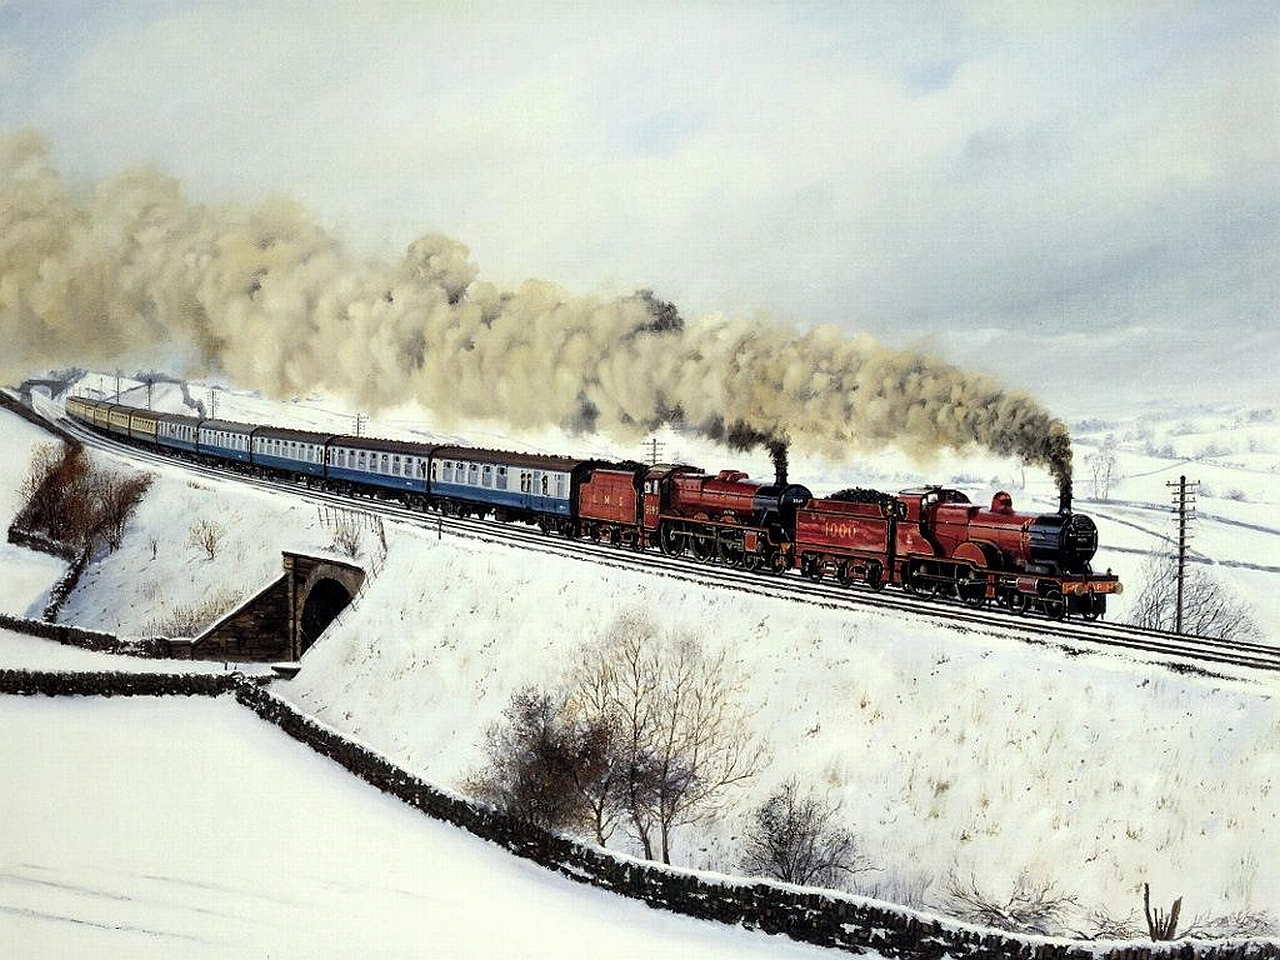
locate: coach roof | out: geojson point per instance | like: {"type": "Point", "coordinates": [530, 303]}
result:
{"type": "Point", "coordinates": [284, 433]}
{"type": "Point", "coordinates": [532, 461]}
{"type": "Point", "coordinates": [385, 446]}
{"type": "Point", "coordinates": [228, 426]}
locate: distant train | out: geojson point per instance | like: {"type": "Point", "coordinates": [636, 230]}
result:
{"type": "Point", "coordinates": [930, 542]}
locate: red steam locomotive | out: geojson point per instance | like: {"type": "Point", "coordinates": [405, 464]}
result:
{"type": "Point", "coordinates": [929, 542]}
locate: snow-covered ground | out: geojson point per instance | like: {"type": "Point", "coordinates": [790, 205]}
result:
{"type": "Point", "coordinates": [187, 827]}
{"type": "Point", "coordinates": [954, 753]}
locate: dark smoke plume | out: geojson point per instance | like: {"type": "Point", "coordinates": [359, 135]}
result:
{"type": "Point", "coordinates": [131, 272]}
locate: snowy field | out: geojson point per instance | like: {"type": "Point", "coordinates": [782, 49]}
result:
{"type": "Point", "coordinates": [187, 827]}
{"type": "Point", "coordinates": [955, 754]}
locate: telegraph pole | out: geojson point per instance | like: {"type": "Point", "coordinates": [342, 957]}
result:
{"type": "Point", "coordinates": [1184, 502]}
{"type": "Point", "coordinates": [213, 403]}
{"type": "Point", "coordinates": [655, 450]}
{"type": "Point", "coordinates": [360, 420]}
{"type": "Point", "coordinates": [117, 386]}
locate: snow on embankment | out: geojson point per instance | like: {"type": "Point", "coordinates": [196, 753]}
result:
{"type": "Point", "coordinates": [160, 582]}
{"type": "Point", "coordinates": [954, 753]}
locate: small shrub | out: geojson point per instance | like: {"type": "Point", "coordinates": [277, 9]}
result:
{"type": "Point", "coordinates": [1030, 907]}
{"type": "Point", "coordinates": [796, 837]}
{"type": "Point", "coordinates": [534, 758]}
{"type": "Point", "coordinates": [346, 539]}
{"type": "Point", "coordinates": [206, 536]}
{"type": "Point", "coordinates": [193, 619]}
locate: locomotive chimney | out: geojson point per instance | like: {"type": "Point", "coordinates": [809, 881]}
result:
{"type": "Point", "coordinates": [1064, 498]}
{"type": "Point", "coordinates": [778, 451]}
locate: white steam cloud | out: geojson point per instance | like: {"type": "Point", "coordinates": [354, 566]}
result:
{"type": "Point", "coordinates": [129, 271]}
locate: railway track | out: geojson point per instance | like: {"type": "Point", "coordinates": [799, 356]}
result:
{"type": "Point", "coordinates": [1180, 651]}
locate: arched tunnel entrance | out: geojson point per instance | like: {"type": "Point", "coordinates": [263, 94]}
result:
{"type": "Point", "coordinates": [326, 599]}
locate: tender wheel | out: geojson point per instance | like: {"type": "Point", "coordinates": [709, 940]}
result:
{"type": "Point", "coordinates": [1055, 605]}
{"type": "Point", "coordinates": [875, 576]}
{"type": "Point", "coordinates": [846, 574]}
{"type": "Point", "coordinates": [811, 569]}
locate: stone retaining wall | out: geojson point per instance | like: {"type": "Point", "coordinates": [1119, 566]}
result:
{"type": "Point", "coordinates": [158, 647]}
{"type": "Point", "coordinates": [64, 683]}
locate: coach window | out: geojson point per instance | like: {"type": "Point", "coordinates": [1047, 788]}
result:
{"type": "Point", "coordinates": [544, 484]}
{"type": "Point", "coordinates": [560, 486]}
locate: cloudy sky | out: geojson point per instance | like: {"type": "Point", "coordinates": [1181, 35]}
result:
{"type": "Point", "coordinates": [1082, 199]}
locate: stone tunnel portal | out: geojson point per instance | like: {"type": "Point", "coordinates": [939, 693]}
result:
{"type": "Point", "coordinates": [324, 602]}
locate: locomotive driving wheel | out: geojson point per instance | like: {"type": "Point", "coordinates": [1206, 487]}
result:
{"type": "Point", "coordinates": [971, 589]}
{"type": "Point", "coordinates": [1055, 605]}
{"type": "Point", "coordinates": [704, 548]}
{"type": "Point", "coordinates": [1097, 604]}
{"type": "Point", "coordinates": [670, 541]}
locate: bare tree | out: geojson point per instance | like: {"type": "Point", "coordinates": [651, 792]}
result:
{"type": "Point", "coordinates": [54, 492]}
{"type": "Point", "coordinates": [70, 500]}
{"type": "Point", "coordinates": [680, 733]}
{"type": "Point", "coordinates": [1103, 467]}
{"type": "Point", "coordinates": [1209, 609]}
{"type": "Point", "coordinates": [527, 771]}
{"type": "Point", "coordinates": [593, 710]}
{"type": "Point", "coordinates": [207, 536]}
{"type": "Point", "coordinates": [617, 685]}
{"type": "Point", "coordinates": [540, 762]}
{"type": "Point", "coordinates": [117, 497]}
{"type": "Point", "coordinates": [702, 747]}
{"type": "Point", "coordinates": [797, 838]}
